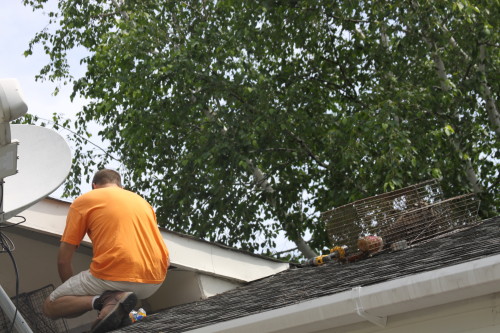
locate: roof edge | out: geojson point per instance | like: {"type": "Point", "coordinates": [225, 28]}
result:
{"type": "Point", "coordinates": [376, 302]}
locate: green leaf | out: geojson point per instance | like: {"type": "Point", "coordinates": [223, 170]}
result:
{"type": "Point", "coordinates": [448, 130]}
{"type": "Point", "coordinates": [436, 173]}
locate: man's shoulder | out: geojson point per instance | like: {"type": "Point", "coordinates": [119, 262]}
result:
{"type": "Point", "coordinates": [96, 194]}
{"type": "Point", "coordinates": [108, 194]}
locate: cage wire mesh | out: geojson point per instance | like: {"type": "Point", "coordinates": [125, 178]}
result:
{"type": "Point", "coordinates": [30, 306]}
{"type": "Point", "coordinates": [400, 218]}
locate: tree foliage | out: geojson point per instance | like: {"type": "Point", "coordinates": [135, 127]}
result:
{"type": "Point", "coordinates": [243, 119]}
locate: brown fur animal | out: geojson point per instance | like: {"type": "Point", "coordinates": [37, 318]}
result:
{"type": "Point", "coordinates": [413, 226]}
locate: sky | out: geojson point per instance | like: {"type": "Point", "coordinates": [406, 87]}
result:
{"type": "Point", "coordinates": [18, 25]}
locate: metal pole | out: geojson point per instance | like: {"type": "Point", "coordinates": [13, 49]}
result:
{"type": "Point", "coordinates": [5, 303]}
{"type": "Point", "coordinates": [10, 310]}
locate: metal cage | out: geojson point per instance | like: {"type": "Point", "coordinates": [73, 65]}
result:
{"type": "Point", "coordinates": [402, 217]}
{"type": "Point", "coordinates": [30, 306]}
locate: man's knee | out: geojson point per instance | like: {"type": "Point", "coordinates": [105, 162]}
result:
{"type": "Point", "coordinates": [48, 309]}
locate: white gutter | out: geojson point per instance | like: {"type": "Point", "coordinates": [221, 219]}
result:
{"type": "Point", "coordinates": [375, 302]}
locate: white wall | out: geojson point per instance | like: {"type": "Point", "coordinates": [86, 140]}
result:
{"type": "Point", "coordinates": [35, 256]}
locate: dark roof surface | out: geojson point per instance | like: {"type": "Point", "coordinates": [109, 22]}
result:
{"type": "Point", "coordinates": [301, 284]}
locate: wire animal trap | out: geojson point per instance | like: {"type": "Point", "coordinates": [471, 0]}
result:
{"type": "Point", "coordinates": [399, 218]}
{"type": "Point", "coordinates": [431, 221]}
{"type": "Point", "coordinates": [30, 306]}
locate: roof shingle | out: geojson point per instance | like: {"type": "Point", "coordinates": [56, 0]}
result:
{"type": "Point", "coordinates": [301, 284]}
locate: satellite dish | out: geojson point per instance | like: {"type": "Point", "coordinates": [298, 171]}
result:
{"type": "Point", "coordinates": [43, 165]}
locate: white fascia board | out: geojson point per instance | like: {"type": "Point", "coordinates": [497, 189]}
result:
{"type": "Point", "coordinates": [49, 216]}
{"type": "Point", "coordinates": [460, 282]}
{"type": "Point", "coordinates": [211, 259]}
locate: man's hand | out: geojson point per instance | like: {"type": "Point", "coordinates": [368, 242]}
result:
{"type": "Point", "coordinates": [64, 258]}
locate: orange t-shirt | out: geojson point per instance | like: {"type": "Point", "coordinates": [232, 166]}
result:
{"type": "Point", "coordinates": [127, 244]}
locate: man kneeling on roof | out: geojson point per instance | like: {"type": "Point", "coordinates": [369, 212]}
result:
{"type": "Point", "coordinates": [129, 262]}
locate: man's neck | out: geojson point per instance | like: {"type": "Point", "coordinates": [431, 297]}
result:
{"type": "Point", "coordinates": [96, 186]}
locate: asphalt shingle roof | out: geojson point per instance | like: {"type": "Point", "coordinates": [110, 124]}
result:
{"type": "Point", "coordinates": [301, 284]}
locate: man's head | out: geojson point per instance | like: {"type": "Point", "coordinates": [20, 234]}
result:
{"type": "Point", "coordinates": [105, 178]}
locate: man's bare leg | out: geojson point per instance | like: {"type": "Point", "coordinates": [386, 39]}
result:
{"type": "Point", "coordinates": [67, 306]}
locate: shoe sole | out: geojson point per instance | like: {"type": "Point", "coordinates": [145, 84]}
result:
{"type": "Point", "coordinates": [114, 318]}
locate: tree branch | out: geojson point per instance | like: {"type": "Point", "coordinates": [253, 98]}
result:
{"type": "Point", "coordinates": [307, 149]}
{"type": "Point", "coordinates": [491, 108]}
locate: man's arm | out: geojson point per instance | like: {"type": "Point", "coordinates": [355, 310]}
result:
{"type": "Point", "coordinates": [64, 258]}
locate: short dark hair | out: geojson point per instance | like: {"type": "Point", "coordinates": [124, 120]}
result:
{"type": "Point", "coordinates": [107, 176]}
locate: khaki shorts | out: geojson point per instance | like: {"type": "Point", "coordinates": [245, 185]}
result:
{"type": "Point", "coordinates": [85, 284]}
